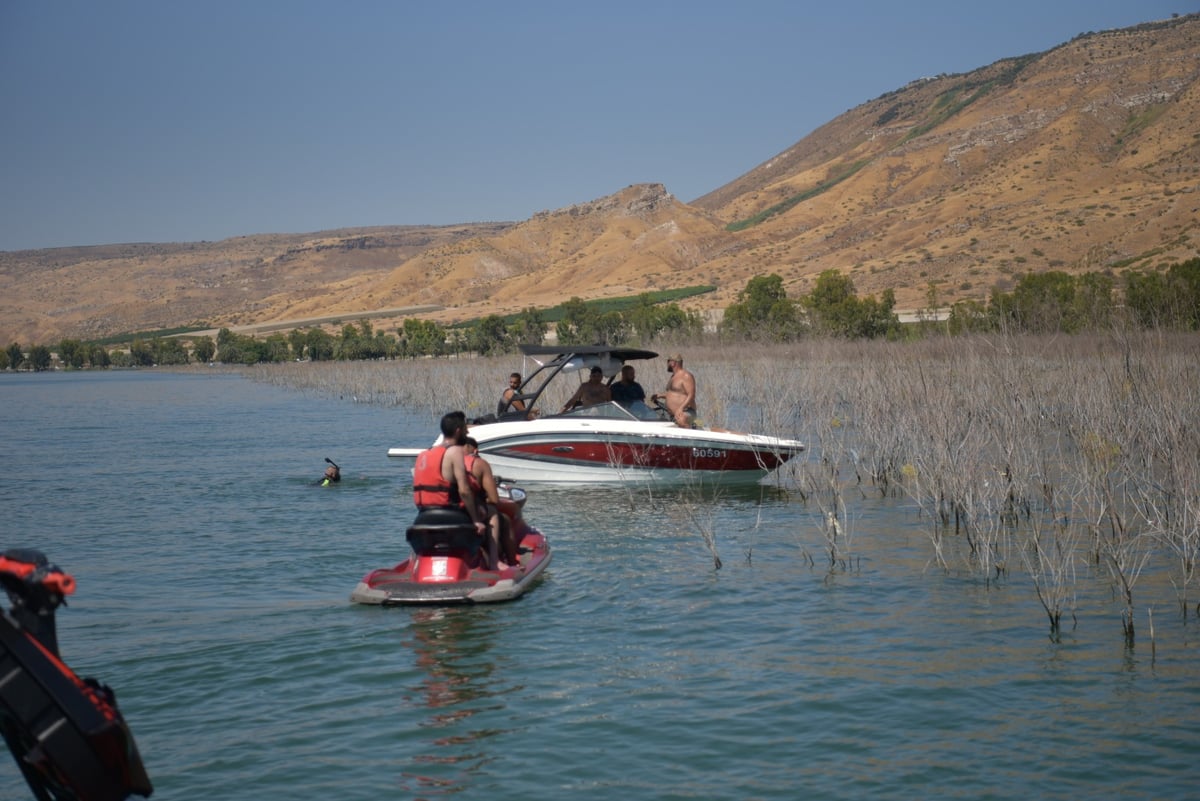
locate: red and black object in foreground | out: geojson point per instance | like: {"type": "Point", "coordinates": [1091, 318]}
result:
{"type": "Point", "coordinates": [65, 733]}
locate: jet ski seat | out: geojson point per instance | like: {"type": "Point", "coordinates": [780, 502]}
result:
{"type": "Point", "coordinates": [443, 530]}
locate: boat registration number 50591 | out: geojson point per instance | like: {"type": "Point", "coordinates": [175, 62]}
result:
{"type": "Point", "coordinates": [709, 453]}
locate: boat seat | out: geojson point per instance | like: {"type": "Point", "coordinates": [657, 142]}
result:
{"type": "Point", "coordinates": [443, 516]}
{"type": "Point", "coordinates": [442, 530]}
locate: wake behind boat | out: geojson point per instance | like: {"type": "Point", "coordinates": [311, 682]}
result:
{"type": "Point", "coordinates": [610, 442]}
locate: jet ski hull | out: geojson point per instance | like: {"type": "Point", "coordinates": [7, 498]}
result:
{"type": "Point", "coordinates": [436, 579]}
{"type": "Point", "coordinates": [446, 565]}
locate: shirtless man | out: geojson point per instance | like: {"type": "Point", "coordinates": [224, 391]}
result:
{"type": "Point", "coordinates": [680, 394]}
{"type": "Point", "coordinates": [506, 400]}
{"type": "Point", "coordinates": [590, 393]}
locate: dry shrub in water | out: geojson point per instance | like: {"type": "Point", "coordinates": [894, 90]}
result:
{"type": "Point", "coordinates": [1065, 450]}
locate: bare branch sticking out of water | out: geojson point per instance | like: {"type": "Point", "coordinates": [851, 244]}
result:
{"type": "Point", "coordinates": [1050, 558]}
{"type": "Point", "coordinates": [698, 504]}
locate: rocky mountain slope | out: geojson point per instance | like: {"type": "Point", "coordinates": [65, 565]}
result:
{"type": "Point", "coordinates": [1084, 157]}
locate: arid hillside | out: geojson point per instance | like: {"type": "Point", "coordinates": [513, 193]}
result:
{"type": "Point", "coordinates": [98, 291]}
{"type": "Point", "coordinates": [1083, 157]}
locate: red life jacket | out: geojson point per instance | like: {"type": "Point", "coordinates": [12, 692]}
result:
{"type": "Point", "coordinates": [429, 487]}
{"type": "Point", "coordinates": [476, 487]}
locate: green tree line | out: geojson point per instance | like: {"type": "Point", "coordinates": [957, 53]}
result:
{"type": "Point", "coordinates": [1038, 303]}
{"type": "Point", "coordinates": [1057, 302]}
{"type": "Point", "coordinates": [764, 313]}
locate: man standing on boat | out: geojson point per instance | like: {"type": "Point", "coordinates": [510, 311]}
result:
{"type": "Point", "coordinates": [680, 394]}
{"type": "Point", "coordinates": [440, 474]}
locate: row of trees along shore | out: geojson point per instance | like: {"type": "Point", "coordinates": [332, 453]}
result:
{"type": "Point", "coordinates": [1039, 303]}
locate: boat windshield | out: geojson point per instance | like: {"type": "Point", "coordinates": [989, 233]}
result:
{"type": "Point", "coordinates": [612, 410]}
{"type": "Point", "coordinates": [641, 411]}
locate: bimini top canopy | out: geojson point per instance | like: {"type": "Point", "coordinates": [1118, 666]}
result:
{"type": "Point", "coordinates": [555, 359]}
{"type": "Point", "coordinates": [566, 352]}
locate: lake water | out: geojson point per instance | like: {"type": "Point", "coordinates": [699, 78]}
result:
{"type": "Point", "coordinates": [213, 582]}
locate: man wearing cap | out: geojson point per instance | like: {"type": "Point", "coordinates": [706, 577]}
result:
{"type": "Point", "coordinates": [680, 394]}
{"type": "Point", "coordinates": [590, 393]}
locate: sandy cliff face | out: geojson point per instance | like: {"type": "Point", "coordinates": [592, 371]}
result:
{"type": "Point", "coordinates": [1085, 157]}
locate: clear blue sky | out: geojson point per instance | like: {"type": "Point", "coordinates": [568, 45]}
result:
{"type": "Point", "coordinates": [159, 121]}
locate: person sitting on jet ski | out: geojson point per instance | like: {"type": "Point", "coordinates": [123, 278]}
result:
{"type": "Point", "coordinates": [483, 481]}
{"type": "Point", "coordinates": [440, 476]}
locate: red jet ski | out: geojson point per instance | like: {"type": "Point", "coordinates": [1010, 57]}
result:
{"type": "Point", "coordinates": [447, 565]}
{"type": "Point", "coordinates": [65, 733]}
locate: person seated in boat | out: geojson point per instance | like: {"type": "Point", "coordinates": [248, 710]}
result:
{"type": "Point", "coordinates": [680, 394]}
{"type": "Point", "coordinates": [591, 392]}
{"type": "Point", "coordinates": [508, 401]}
{"type": "Point", "coordinates": [333, 474]}
{"type": "Point", "coordinates": [440, 473]}
{"type": "Point", "coordinates": [627, 391]}
{"type": "Point", "coordinates": [502, 552]}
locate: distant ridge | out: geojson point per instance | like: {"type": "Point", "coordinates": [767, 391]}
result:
{"type": "Point", "coordinates": [1083, 157]}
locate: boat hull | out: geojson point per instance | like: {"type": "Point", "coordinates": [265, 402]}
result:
{"type": "Point", "coordinates": [610, 441]}
{"type": "Point", "coordinates": [569, 450]}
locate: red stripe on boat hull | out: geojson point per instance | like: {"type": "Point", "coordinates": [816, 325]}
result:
{"type": "Point", "coordinates": [631, 455]}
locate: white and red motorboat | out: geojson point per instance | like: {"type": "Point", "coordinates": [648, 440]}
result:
{"type": "Point", "coordinates": [609, 442]}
